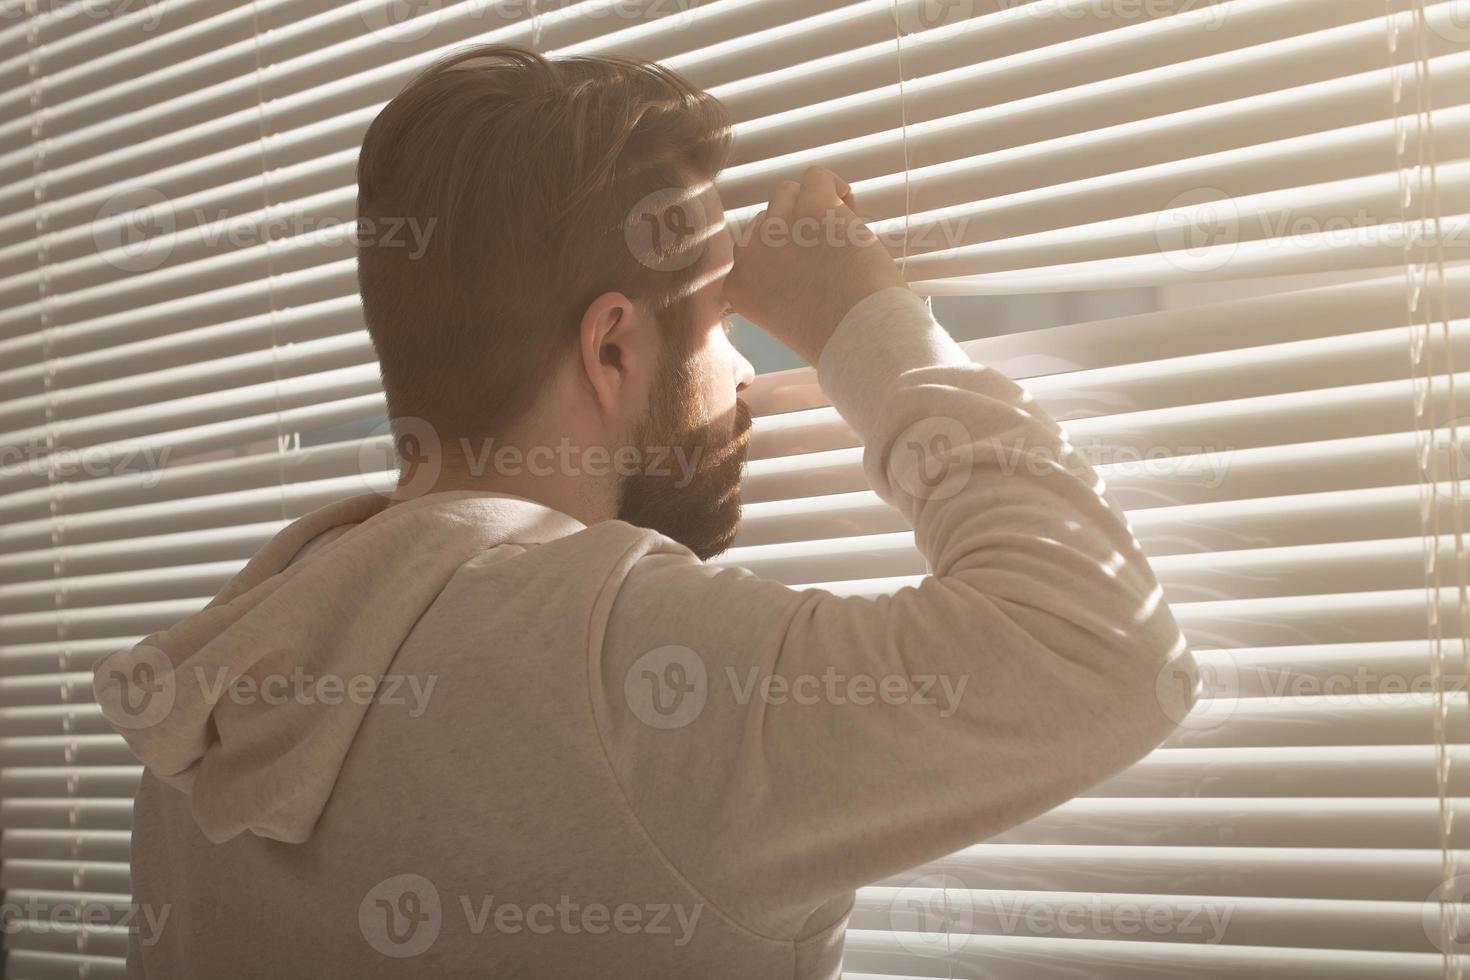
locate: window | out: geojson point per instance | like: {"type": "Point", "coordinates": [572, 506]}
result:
{"type": "Point", "coordinates": [1263, 202]}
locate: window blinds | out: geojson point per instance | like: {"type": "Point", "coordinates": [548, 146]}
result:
{"type": "Point", "coordinates": [183, 369]}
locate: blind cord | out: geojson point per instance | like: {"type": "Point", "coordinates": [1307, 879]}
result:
{"type": "Point", "coordinates": [1425, 281]}
{"type": "Point", "coordinates": [903, 127]}
{"type": "Point", "coordinates": [270, 266]}
{"type": "Point", "coordinates": [55, 489]}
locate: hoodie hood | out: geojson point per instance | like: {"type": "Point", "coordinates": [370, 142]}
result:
{"type": "Point", "coordinates": [340, 612]}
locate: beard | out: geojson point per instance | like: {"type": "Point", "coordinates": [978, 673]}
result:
{"type": "Point", "coordinates": [688, 484]}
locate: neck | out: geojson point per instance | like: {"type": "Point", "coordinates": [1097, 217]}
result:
{"type": "Point", "coordinates": [554, 472]}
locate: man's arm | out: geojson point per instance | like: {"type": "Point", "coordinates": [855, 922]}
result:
{"type": "Point", "coordinates": [781, 747]}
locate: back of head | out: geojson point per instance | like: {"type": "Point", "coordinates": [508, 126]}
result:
{"type": "Point", "coordinates": [519, 175]}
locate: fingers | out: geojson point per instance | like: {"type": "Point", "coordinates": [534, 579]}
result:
{"type": "Point", "coordinates": [818, 191]}
{"type": "Point", "coordinates": [783, 199]}
{"type": "Point", "coordinates": [821, 190]}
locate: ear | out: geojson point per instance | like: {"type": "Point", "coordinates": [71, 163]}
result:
{"type": "Point", "coordinates": [618, 346]}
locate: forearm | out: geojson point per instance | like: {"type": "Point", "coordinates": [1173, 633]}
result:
{"type": "Point", "coordinates": [994, 491]}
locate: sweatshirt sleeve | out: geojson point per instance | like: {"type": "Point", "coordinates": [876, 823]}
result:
{"type": "Point", "coordinates": [781, 747]}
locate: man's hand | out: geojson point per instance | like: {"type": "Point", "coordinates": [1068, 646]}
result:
{"type": "Point", "coordinates": [806, 260]}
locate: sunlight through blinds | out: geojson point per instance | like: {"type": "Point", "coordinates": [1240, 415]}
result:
{"type": "Point", "coordinates": [184, 368]}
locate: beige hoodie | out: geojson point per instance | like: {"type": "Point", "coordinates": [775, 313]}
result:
{"type": "Point", "coordinates": [467, 736]}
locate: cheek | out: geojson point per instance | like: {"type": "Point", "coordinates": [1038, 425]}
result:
{"type": "Point", "coordinates": [705, 372]}
{"type": "Point", "coordinates": [720, 370]}
{"type": "Point", "coordinates": [705, 388]}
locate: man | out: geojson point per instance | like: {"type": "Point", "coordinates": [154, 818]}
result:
{"type": "Point", "coordinates": [504, 721]}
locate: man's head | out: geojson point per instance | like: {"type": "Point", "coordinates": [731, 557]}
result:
{"type": "Point", "coordinates": [568, 280]}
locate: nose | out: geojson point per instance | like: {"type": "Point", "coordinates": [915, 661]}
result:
{"type": "Point", "coordinates": [744, 373]}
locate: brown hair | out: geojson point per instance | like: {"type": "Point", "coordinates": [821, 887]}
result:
{"type": "Point", "coordinates": [519, 175]}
